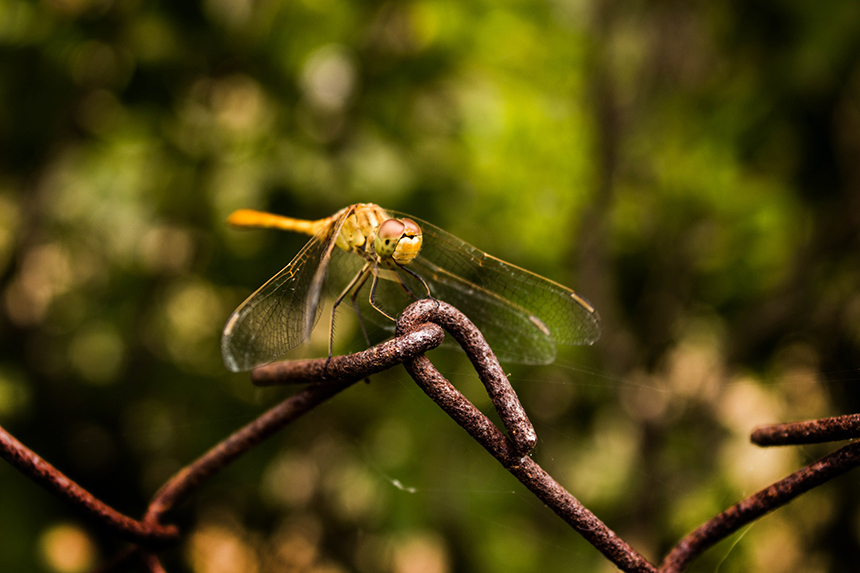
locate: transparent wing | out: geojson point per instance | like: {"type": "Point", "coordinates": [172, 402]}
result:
{"type": "Point", "coordinates": [280, 314]}
{"type": "Point", "coordinates": [522, 315]}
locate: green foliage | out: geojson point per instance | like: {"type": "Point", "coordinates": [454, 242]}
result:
{"type": "Point", "coordinates": [690, 169]}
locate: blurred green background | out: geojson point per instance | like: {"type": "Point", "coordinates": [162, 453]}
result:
{"type": "Point", "coordinates": [693, 169]}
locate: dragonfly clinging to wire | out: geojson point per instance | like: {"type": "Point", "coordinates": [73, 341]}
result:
{"type": "Point", "coordinates": [523, 316]}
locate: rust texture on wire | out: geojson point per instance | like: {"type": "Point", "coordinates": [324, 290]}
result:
{"type": "Point", "coordinates": [494, 441]}
{"type": "Point", "coordinates": [50, 478]}
{"type": "Point", "coordinates": [490, 372]}
{"type": "Point", "coordinates": [419, 330]}
{"type": "Point", "coordinates": [760, 503]}
{"type": "Point", "coordinates": [352, 367]}
{"type": "Point", "coordinates": [811, 432]}
{"type": "Point", "coordinates": [341, 372]}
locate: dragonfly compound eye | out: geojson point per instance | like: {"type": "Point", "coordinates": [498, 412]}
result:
{"type": "Point", "coordinates": [387, 237]}
{"type": "Point", "coordinates": [409, 244]}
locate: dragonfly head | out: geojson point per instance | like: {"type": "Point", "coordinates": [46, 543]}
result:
{"type": "Point", "coordinates": [399, 239]}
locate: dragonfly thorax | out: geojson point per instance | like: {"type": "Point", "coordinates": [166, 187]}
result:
{"type": "Point", "coordinates": [371, 233]}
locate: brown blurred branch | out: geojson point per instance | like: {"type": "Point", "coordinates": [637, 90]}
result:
{"type": "Point", "coordinates": [760, 503]}
{"type": "Point", "coordinates": [341, 372]}
{"type": "Point", "coordinates": [30, 464]}
{"type": "Point", "coordinates": [418, 330]}
{"type": "Point", "coordinates": [811, 432]}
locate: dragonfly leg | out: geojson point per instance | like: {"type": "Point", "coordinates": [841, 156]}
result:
{"type": "Point", "coordinates": [417, 276]}
{"type": "Point", "coordinates": [354, 297]}
{"type": "Point", "coordinates": [359, 280]}
{"type": "Point", "coordinates": [373, 297]}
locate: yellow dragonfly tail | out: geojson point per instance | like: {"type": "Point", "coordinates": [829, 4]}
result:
{"type": "Point", "coordinates": [249, 218]}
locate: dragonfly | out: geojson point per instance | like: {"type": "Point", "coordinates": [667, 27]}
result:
{"type": "Point", "coordinates": [522, 315]}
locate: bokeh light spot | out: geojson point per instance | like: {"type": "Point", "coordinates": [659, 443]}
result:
{"type": "Point", "coordinates": [67, 548]}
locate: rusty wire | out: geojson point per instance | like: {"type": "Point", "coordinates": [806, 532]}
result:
{"type": "Point", "coordinates": [810, 432]}
{"type": "Point", "coordinates": [420, 329]}
{"type": "Point", "coordinates": [30, 464]}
